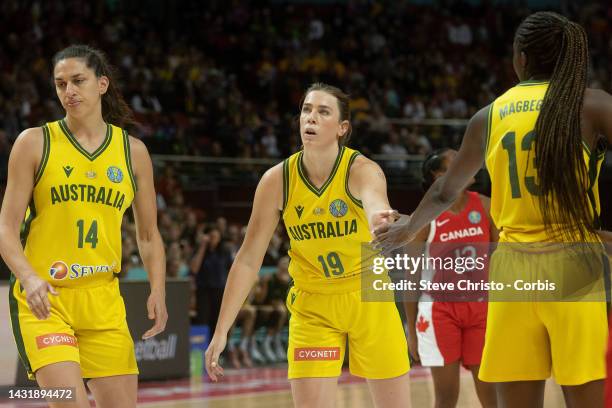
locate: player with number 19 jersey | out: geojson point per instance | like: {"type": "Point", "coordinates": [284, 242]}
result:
{"type": "Point", "coordinates": [327, 227]}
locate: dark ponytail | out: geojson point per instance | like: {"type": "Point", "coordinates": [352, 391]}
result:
{"type": "Point", "coordinates": [432, 163]}
{"type": "Point", "coordinates": [557, 48]}
{"type": "Point", "coordinates": [114, 108]}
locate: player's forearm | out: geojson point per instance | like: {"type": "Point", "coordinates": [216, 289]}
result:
{"type": "Point", "coordinates": [242, 277]}
{"type": "Point", "coordinates": [151, 250]}
{"type": "Point", "coordinates": [432, 205]}
{"type": "Point", "coordinates": [12, 253]}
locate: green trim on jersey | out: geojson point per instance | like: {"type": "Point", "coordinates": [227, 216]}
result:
{"type": "Point", "coordinates": [346, 180]}
{"type": "Point", "coordinates": [593, 165]}
{"type": "Point", "coordinates": [532, 82]}
{"type": "Point", "coordinates": [593, 179]}
{"type": "Point", "coordinates": [586, 147]}
{"type": "Point", "coordinates": [14, 311]}
{"type": "Point", "coordinates": [128, 160]}
{"type": "Point", "coordinates": [75, 143]}
{"type": "Point", "coordinates": [311, 187]}
{"type": "Point", "coordinates": [285, 183]}
{"type": "Point", "coordinates": [488, 131]}
{"type": "Point", "coordinates": [45, 156]}
{"type": "Point", "coordinates": [25, 231]}
{"type": "Point", "coordinates": [600, 151]}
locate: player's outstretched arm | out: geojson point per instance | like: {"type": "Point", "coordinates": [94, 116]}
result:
{"type": "Point", "coordinates": [150, 244]}
{"type": "Point", "coordinates": [445, 190]}
{"type": "Point", "coordinates": [24, 161]}
{"type": "Point", "coordinates": [245, 269]}
{"type": "Point", "coordinates": [367, 183]}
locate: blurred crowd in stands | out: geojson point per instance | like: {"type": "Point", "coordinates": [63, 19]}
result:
{"type": "Point", "coordinates": [226, 79]}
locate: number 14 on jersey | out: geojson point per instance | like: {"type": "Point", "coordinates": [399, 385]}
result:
{"type": "Point", "coordinates": [91, 237]}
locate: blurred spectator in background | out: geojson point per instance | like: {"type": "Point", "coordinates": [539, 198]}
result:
{"type": "Point", "coordinates": [241, 355]}
{"type": "Point", "coordinates": [210, 265]}
{"type": "Point", "coordinates": [415, 142]}
{"type": "Point", "coordinates": [270, 300]}
{"type": "Point", "coordinates": [394, 147]}
{"type": "Point", "coordinates": [176, 266]}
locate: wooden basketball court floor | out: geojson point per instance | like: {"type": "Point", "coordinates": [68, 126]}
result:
{"type": "Point", "coordinates": [269, 388]}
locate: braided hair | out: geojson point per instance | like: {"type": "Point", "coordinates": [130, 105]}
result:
{"type": "Point", "coordinates": [556, 48]}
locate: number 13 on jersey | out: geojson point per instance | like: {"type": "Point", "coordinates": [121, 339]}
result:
{"type": "Point", "coordinates": [509, 144]}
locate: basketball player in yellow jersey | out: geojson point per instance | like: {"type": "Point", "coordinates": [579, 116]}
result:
{"type": "Point", "coordinates": [542, 142]}
{"type": "Point", "coordinates": [76, 177]}
{"type": "Point", "coordinates": [327, 195]}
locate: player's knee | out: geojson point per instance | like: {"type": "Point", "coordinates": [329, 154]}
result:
{"type": "Point", "coordinates": [63, 373]}
{"type": "Point", "coordinates": [447, 396]}
{"type": "Point", "coordinates": [488, 398]}
{"type": "Point", "coordinates": [446, 401]}
{"type": "Point", "coordinates": [313, 400]}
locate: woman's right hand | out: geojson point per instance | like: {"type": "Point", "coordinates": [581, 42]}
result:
{"type": "Point", "coordinates": [214, 350]}
{"type": "Point", "coordinates": [37, 290]}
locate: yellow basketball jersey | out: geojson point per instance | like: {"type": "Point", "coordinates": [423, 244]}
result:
{"type": "Point", "coordinates": [72, 232]}
{"type": "Point", "coordinates": [326, 227]}
{"type": "Point", "coordinates": [510, 162]}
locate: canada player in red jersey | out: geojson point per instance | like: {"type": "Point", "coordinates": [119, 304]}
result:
{"type": "Point", "coordinates": [446, 328]}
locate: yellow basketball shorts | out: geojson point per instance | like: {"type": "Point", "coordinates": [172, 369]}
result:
{"type": "Point", "coordinates": [320, 325]}
{"type": "Point", "coordinates": [526, 341]}
{"type": "Point", "coordinates": [86, 325]}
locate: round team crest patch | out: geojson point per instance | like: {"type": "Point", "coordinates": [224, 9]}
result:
{"type": "Point", "coordinates": [114, 174]}
{"type": "Point", "coordinates": [338, 208]}
{"type": "Point", "coordinates": [474, 217]}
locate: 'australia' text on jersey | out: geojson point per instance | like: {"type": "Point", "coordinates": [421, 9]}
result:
{"type": "Point", "coordinates": [87, 193]}
{"type": "Point", "coordinates": [319, 230]}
